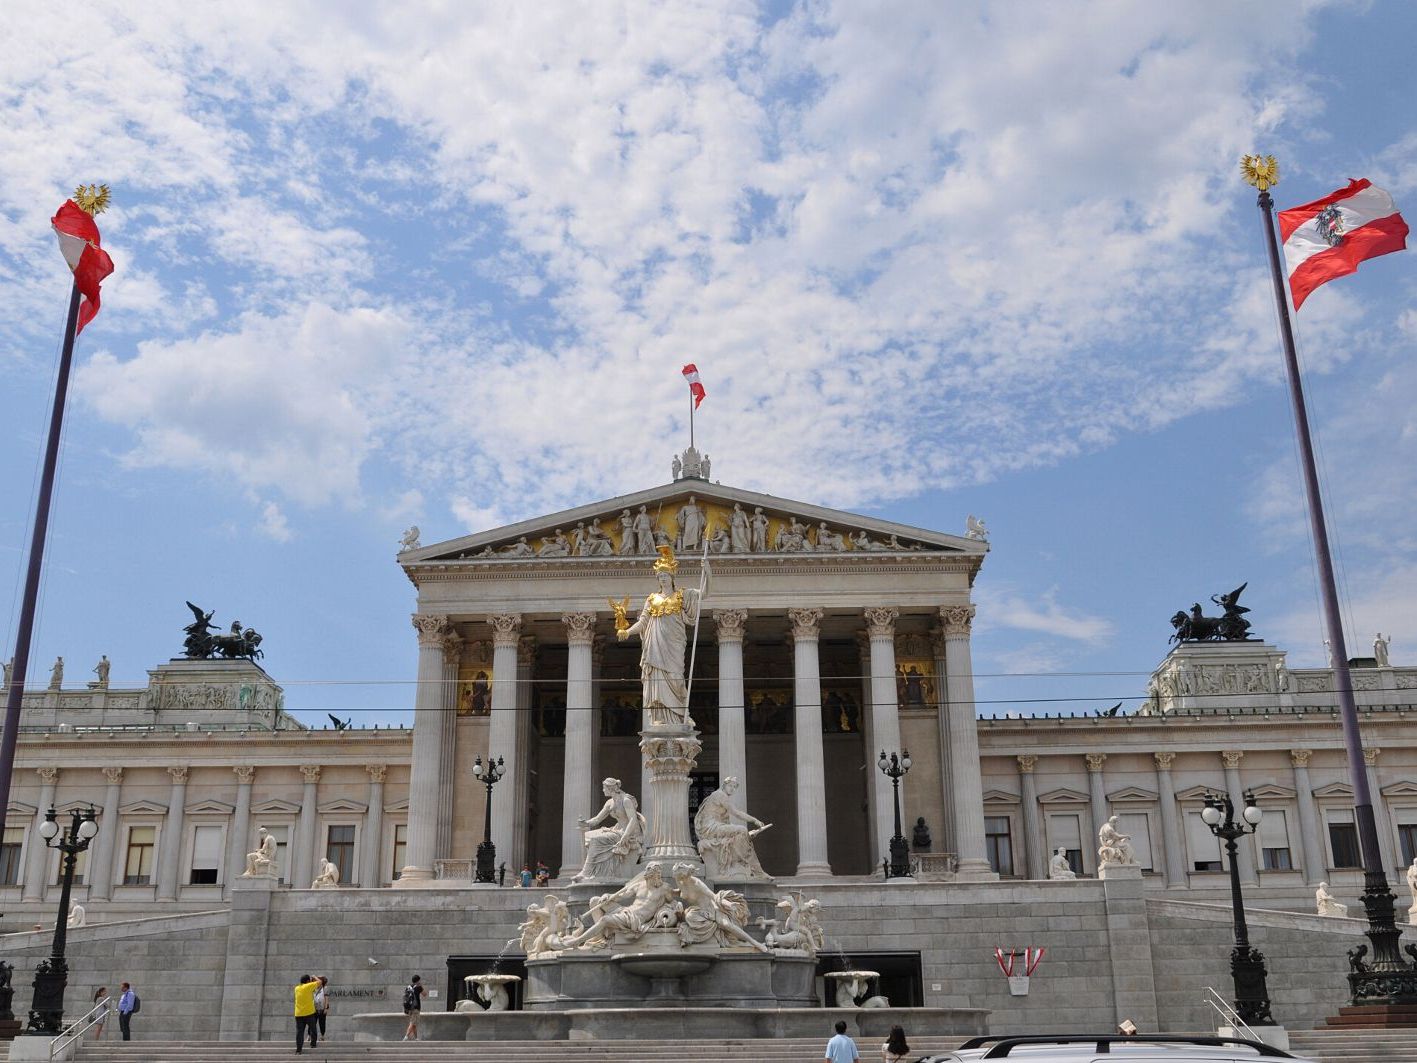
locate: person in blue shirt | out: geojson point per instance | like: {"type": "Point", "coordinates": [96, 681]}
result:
{"type": "Point", "coordinates": [127, 1003]}
{"type": "Point", "coordinates": [842, 1049]}
{"type": "Point", "coordinates": [526, 877]}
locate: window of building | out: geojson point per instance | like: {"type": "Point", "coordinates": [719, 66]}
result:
{"type": "Point", "coordinates": [1065, 832]}
{"type": "Point", "coordinates": [1137, 826]}
{"type": "Point", "coordinates": [400, 848]}
{"type": "Point", "coordinates": [339, 850]}
{"type": "Point", "coordinates": [999, 844]}
{"type": "Point", "coordinates": [1204, 846]}
{"type": "Point", "coordinates": [1406, 841]}
{"type": "Point", "coordinates": [138, 866]}
{"type": "Point", "coordinates": [1343, 840]}
{"type": "Point", "coordinates": [10, 856]}
{"type": "Point", "coordinates": [1274, 841]}
{"type": "Point", "coordinates": [206, 856]}
{"type": "Point", "coordinates": [81, 867]}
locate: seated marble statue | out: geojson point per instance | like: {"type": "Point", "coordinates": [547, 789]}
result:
{"type": "Point", "coordinates": [77, 916]}
{"type": "Point", "coordinates": [828, 540]}
{"type": "Point", "coordinates": [555, 545]}
{"type": "Point", "coordinates": [726, 836]}
{"type": "Point", "coordinates": [1327, 905]}
{"type": "Point", "coordinates": [548, 928]}
{"type": "Point", "coordinates": [328, 878]}
{"type": "Point", "coordinates": [800, 928]}
{"type": "Point", "coordinates": [262, 862]}
{"type": "Point", "coordinates": [710, 915]}
{"type": "Point", "coordinates": [612, 850]}
{"type": "Point", "coordinates": [646, 901]}
{"type": "Point", "coordinates": [1412, 885]}
{"type": "Point", "coordinates": [1058, 866]}
{"type": "Point", "coordinates": [1114, 847]}
{"type": "Point", "coordinates": [596, 543]}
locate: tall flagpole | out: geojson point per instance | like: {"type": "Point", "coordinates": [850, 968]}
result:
{"type": "Point", "coordinates": [1388, 979]}
{"type": "Point", "coordinates": [14, 696]}
{"type": "Point", "coordinates": [691, 418]}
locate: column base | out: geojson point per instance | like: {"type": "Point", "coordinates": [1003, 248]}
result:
{"type": "Point", "coordinates": [413, 878]}
{"type": "Point", "coordinates": [975, 871]}
{"type": "Point", "coordinates": [813, 871]}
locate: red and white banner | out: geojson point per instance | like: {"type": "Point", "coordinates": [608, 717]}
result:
{"type": "Point", "coordinates": [1032, 957]}
{"type": "Point", "coordinates": [1329, 237]}
{"type": "Point", "coordinates": [79, 244]}
{"type": "Point", "coordinates": [691, 374]}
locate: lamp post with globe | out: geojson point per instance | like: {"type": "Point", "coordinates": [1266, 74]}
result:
{"type": "Point", "coordinates": [895, 768]}
{"type": "Point", "coordinates": [51, 976]}
{"type": "Point", "coordinates": [486, 851]}
{"type": "Point", "coordinates": [1246, 963]}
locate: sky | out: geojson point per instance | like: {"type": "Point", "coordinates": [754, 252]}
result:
{"type": "Point", "coordinates": [440, 265]}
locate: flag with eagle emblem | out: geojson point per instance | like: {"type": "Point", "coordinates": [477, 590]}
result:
{"type": "Point", "coordinates": [1327, 238]}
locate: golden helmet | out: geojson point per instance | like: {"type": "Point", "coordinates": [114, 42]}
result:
{"type": "Point", "coordinates": [666, 562]}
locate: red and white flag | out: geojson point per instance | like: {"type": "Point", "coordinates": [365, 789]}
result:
{"type": "Point", "coordinates": [691, 374]}
{"type": "Point", "coordinates": [79, 244]}
{"type": "Point", "coordinates": [1329, 237]}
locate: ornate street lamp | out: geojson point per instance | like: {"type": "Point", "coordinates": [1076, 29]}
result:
{"type": "Point", "coordinates": [51, 976]}
{"type": "Point", "coordinates": [1246, 963]}
{"type": "Point", "coordinates": [487, 852]}
{"type": "Point", "coordinates": [896, 767]}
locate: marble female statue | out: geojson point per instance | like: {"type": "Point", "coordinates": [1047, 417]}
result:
{"type": "Point", "coordinates": [710, 915]}
{"type": "Point", "coordinates": [644, 532]}
{"type": "Point", "coordinates": [663, 630]}
{"type": "Point", "coordinates": [627, 533]}
{"type": "Point", "coordinates": [691, 526]}
{"type": "Point", "coordinates": [739, 533]}
{"type": "Point", "coordinates": [596, 543]}
{"type": "Point", "coordinates": [612, 850]}
{"type": "Point", "coordinates": [262, 862]}
{"type": "Point", "coordinates": [556, 545]}
{"type": "Point", "coordinates": [760, 531]}
{"type": "Point", "coordinates": [726, 836]}
{"type": "Point", "coordinates": [828, 540]}
{"type": "Point", "coordinates": [1380, 650]}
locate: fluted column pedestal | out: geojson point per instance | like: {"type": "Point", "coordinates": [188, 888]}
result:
{"type": "Point", "coordinates": [670, 752]}
{"type": "Point", "coordinates": [807, 719]}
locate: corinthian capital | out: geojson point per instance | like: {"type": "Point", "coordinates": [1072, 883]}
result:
{"type": "Point", "coordinates": [1300, 757]}
{"type": "Point", "coordinates": [506, 628]}
{"type": "Point", "coordinates": [1095, 761]}
{"type": "Point", "coordinates": [731, 624]}
{"type": "Point", "coordinates": [1164, 760]}
{"type": "Point", "coordinates": [580, 628]}
{"type": "Point", "coordinates": [244, 774]}
{"type": "Point", "coordinates": [49, 775]}
{"type": "Point", "coordinates": [804, 623]}
{"type": "Point", "coordinates": [178, 774]}
{"type": "Point", "coordinates": [880, 621]}
{"type": "Point", "coordinates": [1370, 755]}
{"type": "Point", "coordinates": [431, 629]}
{"type": "Point", "coordinates": [956, 619]}
{"type": "Point", "coordinates": [1027, 762]}
{"type": "Point", "coordinates": [1232, 757]}
{"type": "Point", "coordinates": [311, 772]}
{"type": "Point", "coordinates": [113, 775]}
{"type": "Point", "coordinates": [377, 772]}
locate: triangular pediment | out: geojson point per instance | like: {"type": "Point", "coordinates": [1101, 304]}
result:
{"type": "Point", "coordinates": [1000, 797]}
{"type": "Point", "coordinates": [1334, 789]}
{"type": "Point", "coordinates": [1131, 793]}
{"type": "Point", "coordinates": [1063, 796]}
{"type": "Point", "coordinates": [208, 807]}
{"type": "Point", "coordinates": [1400, 789]}
{"type": "Point", "coordinates": [275, 806]}
{"type": "Point", "coordinates": [343, 804]}
{"type": "Point", "coordinates": [143, 807]}
{"type": "Point", "coordinates": [596, 532]}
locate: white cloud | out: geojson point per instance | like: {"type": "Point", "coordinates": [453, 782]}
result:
{"type": "Point", "coordinates": [1003, 608]}
{"type": "Point", "coordinates": [273, 523]}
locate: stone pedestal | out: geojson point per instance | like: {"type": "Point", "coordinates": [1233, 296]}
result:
{"type": "Point", "coordinates": [1219, 675]}
{"type": "Point", "coordinates": [670, 752]}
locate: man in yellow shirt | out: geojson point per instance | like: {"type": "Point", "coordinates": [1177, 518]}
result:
{"type": "Point", "coordinates": [305, 1012]}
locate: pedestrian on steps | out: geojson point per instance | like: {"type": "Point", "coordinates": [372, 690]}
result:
{"type": "Point", "coordinates": [305, 1012]}
{"type": "Point", "coordinates": [412, 1006]}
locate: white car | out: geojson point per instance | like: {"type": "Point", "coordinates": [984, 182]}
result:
{"type": "Point", "coordinates": [1107, 1048]}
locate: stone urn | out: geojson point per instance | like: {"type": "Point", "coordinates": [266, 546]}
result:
{"type": "Point", "coordinates": [491, 990]}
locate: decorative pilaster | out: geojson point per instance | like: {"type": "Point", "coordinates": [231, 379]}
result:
{"type": "Point", "coordinates": [1314, 863]}
{"type": "Point", "coordinates": [1173, 844]}
{"type": "Point", "coordinates": [576, 791]}
{"type": "Point", "coordinates": [452, 646]}
{"type": "Point", "coordinates": [732, 730]}
{"type": "Point", "coordinates": [1244, 846]}
{"type": "Point", "coordinates": [502, 729]}
{"type": "Point", "coordinates": [371, 871]}
{"type": "Point", "coordinates": [807, 719]}
{"type": "Point", "coordinates": [1380, 816]}
{"type": "Point", "coordinates": [170, 852]}
{"type": "Point", "coordinates": [302, 851]}
{"type": "Point", "coordinates": [237, 844]}
{"type": "Point", "coordinates": [426, 765]}
{"type": "Point", "coordinates": [885, 723]}
{"type": "Point", "coordinates": [1034, 844]}
{"type": "Point", "coordinates": [1097, 794]}
{"type": "Point", "coordinates": [37, 857]}
{"type": "Point", "coordinates": [955, 622]}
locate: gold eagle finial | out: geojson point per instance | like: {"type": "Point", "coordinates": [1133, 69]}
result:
{"type": "Point", "coordinates": [1260, 170]}
{"type": "Point", "coordinates": [92, 199]}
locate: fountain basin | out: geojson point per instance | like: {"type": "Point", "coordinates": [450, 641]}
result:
{"type": "Point", "coordinates": [660, 965]}
{"type": "Point", "coordinates": [852, 986]}
{"type": "Point", "coordinates": [491, 988]}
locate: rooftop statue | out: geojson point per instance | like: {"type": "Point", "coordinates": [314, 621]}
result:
{"type": "Point", "coordinates": [1229, 627]}
{"type": "Point", "coordinates": [201, 644]}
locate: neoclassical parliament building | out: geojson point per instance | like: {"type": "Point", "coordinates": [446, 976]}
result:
{"type": "Point", "coordinates": [825, 638]}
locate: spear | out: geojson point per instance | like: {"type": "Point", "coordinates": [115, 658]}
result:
{"type": "Point", "coordinates": [698, 615]}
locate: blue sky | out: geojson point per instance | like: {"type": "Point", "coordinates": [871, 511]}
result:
{"type": "Point", "coordinates": [442, 268]}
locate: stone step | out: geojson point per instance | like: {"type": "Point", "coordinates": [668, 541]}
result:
{"type": "Point", "coordinates": [1349, 1044]}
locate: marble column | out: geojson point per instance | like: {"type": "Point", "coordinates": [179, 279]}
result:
{"type": "Point", "coordinates": [577, 792]}
{"type": "Point", "coordinates": [423, 792]}
{"type": "Point", "coordinates": [732, 730]}
{"type": "Point", "coordinates": [241, 841]}
{"type": "Point", "coordinates": [807, 721]}
{"type": "Point", "coordinates": [170, 852]}
{"type": "Point", "coordinates": [1236, 788]}
{"type": "Point", "coordinates": [1097, 796]}
{"type": "Point", "coordinates": [1380, 816]}
{"type": "Point", "coordinates": [1035, 845]}
{"type": "Point", "coordinates": [946, 827]}
{"type": "Point", "coordinates": [1315, 857]}
{"type": "Point", "coordinates": [502, 731]}
{"type": "Point", "coordinates": [447, 747]}
{"type": "Point", "coordinates": [371, 866]}
{"type": "Point", "coordinates": [1173, 844]}
{"type": "Point", "coordinates": [302, 850]}
{"type": "Point", "coordinates": [37, 857]}
{"type": "Point", "coordinates": [525, 795]}
{"type": "Point", "coordinates": [100, 873]}
{"type": "Point", "coordinates": [885, 727]}
{"type": "Point", "coordinates": [964, 745]}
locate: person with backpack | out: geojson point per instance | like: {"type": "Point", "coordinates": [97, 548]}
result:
{"type": "Point", "coordinates": [412, 1005]}
{"type": "Point", "coordinates": [128, 1006]}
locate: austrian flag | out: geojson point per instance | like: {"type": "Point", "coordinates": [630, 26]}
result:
{"type": "Point", "coordinates": [691, 374]}
{"type": "Point", "coordinates": [79, 244]}
{"type": "Point", "coordinates": [1327, 238]}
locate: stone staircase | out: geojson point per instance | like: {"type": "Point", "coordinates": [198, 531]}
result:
{"type": "Point", "coordinates": [1355, 1046]}
{"type": "Point", "coordinates": [719, 1051]}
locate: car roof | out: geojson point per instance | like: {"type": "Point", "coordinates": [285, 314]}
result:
{"type": "Point", "coordinates": [1137, 1048]}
